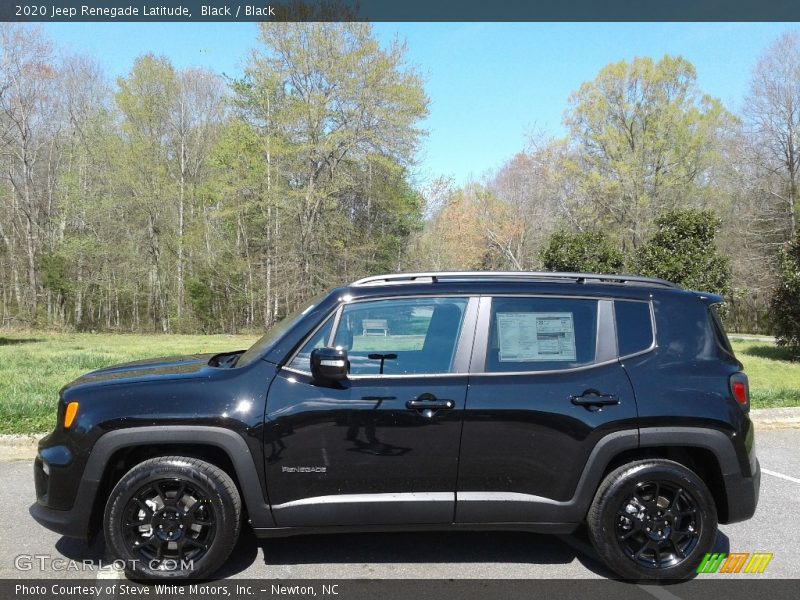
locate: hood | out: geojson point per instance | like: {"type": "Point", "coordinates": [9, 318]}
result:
{"type": "Point", "coordinates": [175, 367]}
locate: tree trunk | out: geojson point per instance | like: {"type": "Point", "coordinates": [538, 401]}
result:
{"type": "Point", "coordinates": [181, 201]}
{"type": "Point", "coordinates": [32, 286]}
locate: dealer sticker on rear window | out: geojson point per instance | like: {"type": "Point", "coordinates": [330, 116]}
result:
{"type": "Point", "coordinates": [527, 336]}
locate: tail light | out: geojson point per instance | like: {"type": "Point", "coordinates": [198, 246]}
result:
{"type": "Point", "coordinates": [740, 389]}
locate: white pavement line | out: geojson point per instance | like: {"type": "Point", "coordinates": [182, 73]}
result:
{"type": "Point", "coordinates": [659, 592]}
{"type": "Point", "coordinates": [781, 475]}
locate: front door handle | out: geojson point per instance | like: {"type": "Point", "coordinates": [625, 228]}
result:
{"type": "Point", "coordinates": [592, 399]}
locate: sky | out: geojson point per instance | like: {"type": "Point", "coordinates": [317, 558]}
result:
{"type": "Point", "coordinates": [491, 85]}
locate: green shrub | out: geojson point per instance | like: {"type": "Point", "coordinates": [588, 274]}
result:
{"type": "Point", "coordinates": [583, 252]}
{"type": "Point", "coordinates": [785, 301]}
{"type": "Point", "coordinates": [682, 251]}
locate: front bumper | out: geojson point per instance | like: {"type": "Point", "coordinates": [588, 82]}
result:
{"type": "Point", "coordinates": [62, 505]}
{"type": "Point", "coordinates": [71, 523]}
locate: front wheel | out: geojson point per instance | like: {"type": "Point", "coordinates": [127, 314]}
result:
{"type": "Point", "coordinates": [173, 517]}
{"type": "Point", "coordinates": [652, 519]}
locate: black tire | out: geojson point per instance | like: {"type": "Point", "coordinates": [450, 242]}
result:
{"type": "Point", "coordinates": [180, 509]}
{"type": "Point", "coordinates": [652, 519]}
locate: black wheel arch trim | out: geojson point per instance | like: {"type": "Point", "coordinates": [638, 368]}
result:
{"type": "Point", "coordinates": [76, 521]}
{"type": "Point", "coordinates": [699, 437]}
{"type": "Point", "coordinates": [740, 481]}
{"type": "Point", "coordinates": [227, 440]}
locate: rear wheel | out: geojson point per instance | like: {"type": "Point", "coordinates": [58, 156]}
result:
{"type": "Point", "coordinates": [173, 517]}
{"type": "Point", "coordinates": [653, 519]}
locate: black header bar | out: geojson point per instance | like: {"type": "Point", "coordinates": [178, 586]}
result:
{"type": "Point", "coordinates": [398, 10]}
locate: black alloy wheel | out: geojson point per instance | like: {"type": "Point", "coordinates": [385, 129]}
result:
{"type": "Point", "coordinates": [658, 525]}
{"type": "Point", "coordinates": [173, 517]}
{"type": "Point", "coordinates": [652, 519]}
{"type": "Point", "coordinates": [169, 521]}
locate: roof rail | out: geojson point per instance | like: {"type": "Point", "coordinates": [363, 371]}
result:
{"type": "Point", "coordinates": [436, 276]}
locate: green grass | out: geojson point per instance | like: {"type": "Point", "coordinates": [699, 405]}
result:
{"type": "Point", "coordinates": [34, 366]}
{"type": "Point", "coordinates": [774, 378]}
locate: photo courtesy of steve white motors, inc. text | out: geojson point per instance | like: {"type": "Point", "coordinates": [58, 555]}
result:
{"type": "Point", "coordinates": [233, 11]}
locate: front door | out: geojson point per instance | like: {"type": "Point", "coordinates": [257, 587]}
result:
{"type": "Point", "coordinates": [381, 447]}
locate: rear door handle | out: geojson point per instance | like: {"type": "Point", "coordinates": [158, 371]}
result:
{"type": "Point", "coordinates": [429, 404]}
{"type": "Point", "coordinates": [593, 398]}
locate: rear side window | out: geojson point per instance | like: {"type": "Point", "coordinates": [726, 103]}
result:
{"type": "Point", "coordinates": [634, 326]}
{"type": "Point", "coordinates": [541, 334]}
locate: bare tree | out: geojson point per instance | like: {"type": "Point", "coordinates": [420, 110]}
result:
{"type": "Point", "coordinates": [197, 112]}
{"type": "Point", "coordinates": [772, 112]}
{"type": "Point", "coordinates": [27, 84]}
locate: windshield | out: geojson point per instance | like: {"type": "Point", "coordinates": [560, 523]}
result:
{"type": "Point", "coordinates": [275, 333]}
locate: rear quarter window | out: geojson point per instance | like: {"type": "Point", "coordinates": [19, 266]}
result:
{"type": "Point", "coordinates": [634, 326]}
{"type": "Point", "coordinates": [719, 329]}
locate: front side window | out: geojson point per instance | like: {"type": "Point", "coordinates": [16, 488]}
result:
{"type": "Point", "coordinates": [402, 336]}
{"type": "Point", "coordinates": [541, 334]}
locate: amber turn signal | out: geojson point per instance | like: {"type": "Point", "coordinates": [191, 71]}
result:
{"type": "Point", "coordinates": [69, 414]}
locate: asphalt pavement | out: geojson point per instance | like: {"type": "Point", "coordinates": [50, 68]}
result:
{"type": "Point", "coordinates": [775, 528]}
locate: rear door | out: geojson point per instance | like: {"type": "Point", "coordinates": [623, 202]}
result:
{"type": "Point", "coordinates": [545, 386]}
{"type": "Point", "coordinates": [381, 447]}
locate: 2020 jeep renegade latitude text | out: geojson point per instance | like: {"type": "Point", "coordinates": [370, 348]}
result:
{"type": "Point", "coordinates": [527, 401]}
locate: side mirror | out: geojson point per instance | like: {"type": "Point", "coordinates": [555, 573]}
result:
{"type": "Point", "coordinates": [329, 364]}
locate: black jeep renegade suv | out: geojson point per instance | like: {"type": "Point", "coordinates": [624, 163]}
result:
{"type": "Point", "coordinates": [526, 401]}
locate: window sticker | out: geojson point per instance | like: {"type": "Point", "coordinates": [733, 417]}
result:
{"type": "Point", "coordinates": [527, 336]}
